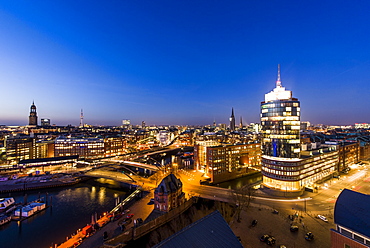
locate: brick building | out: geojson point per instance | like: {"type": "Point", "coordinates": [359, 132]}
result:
{"type": "Point", "coordinates": [168, 195]}
{"type": "Point", "coordinates": [226, 162]}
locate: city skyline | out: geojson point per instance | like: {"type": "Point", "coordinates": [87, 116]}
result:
{"type": "Point", "coordinates": [181, 63]}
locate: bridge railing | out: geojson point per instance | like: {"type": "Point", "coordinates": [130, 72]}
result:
{"type": "Point", "coordinates": [126, 200]}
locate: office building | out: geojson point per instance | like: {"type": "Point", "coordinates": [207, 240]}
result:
{"type": "Point", "coordinates": [226, 162]}
{"type": "Point", "coordinates": [280, 120]}
{"type": "Point", "coordinates": [89, 148]}
{"type": "Point", "coordinates": [114, 146]}
{"type": "Point", "coordinates": [45, 122]}
{"type": "Point", "coordinates": [126, 122]}
{"type": "Point", "coordinates": [19, 148]}
{"type": "Point", "coordinates": [285, 170]}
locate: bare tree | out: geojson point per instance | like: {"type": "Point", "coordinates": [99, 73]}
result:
{"type": "Point", "coordinates": [242, 198]}
{"type": "Point", "coordinates": [157, 176]}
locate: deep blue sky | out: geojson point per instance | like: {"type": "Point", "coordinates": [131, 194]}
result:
{"type": "Point", "coordinates": [182, 62]}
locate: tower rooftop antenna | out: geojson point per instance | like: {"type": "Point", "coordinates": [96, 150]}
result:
{"type": "Point", "coordinates": [278, 81]}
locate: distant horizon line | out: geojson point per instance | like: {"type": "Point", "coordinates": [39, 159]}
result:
{"type": "Point", "coordinates": [154, 125]}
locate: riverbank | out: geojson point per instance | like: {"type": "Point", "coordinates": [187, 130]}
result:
{"type": "Point", "coordinates": [71, 209]}
{"type": "Point", "coordinates": [87, 233]}
{"type": "Point", "coordinates": [41, 182]}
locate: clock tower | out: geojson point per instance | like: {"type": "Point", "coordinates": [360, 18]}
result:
{"type": "Point", "coordinates": [32, 119]}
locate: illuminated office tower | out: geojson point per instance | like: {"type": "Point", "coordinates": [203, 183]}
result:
{"type": "Point", "coordinates": [33, 115]}
{"type": "Point", "coordinates": [286, 170]}
{"type": "Point", "coordinates": [280, 121]}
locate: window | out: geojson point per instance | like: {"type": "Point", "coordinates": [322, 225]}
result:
{"type": "Point", "coordinates": [358, 238]}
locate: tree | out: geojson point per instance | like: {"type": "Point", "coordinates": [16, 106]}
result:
{"type": "Point", "coordinates": [242, 198]}
{"type": "Point", "coordinates": [157, 176]}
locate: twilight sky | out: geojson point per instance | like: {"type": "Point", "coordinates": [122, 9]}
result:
{"type": "Point", "coordinates": [182, 62]}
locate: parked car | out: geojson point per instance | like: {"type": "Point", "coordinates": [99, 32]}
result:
{"type": "Point", "coordinates": [124, 222]}
{"type": "Point", "coordinates": [309, 236]}
{"type": "Point", "coordinates": [322, 217]}
{"type": "Point", "coordinates": [117, 216]}
{"type": "Point", "coordinates": [129, 216]}
{"type": "Point", "coordinates": [254, 222]}
{"type": "Point", "coordinates": [271, 240]}
{"type": "Point", "coordinates": [293, 228]}
{"type": "Point", "coordinates": [275, 211]}
{"type": "Point", "coordinates": [264, 238]}
{"type": "Point", "coordinates": [105, 236]}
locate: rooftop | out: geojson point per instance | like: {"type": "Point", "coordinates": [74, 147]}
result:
{"type": "Point", "coordinates": [210, 231]}
{"type": "Point", "coordinates": [352, 210]}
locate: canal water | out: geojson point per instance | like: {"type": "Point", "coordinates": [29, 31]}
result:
{"type": "Point", "coordinates": [241, 182]}
{"type": "Point", "coordinates": [72, 208]}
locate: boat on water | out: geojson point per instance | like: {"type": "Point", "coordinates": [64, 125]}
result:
{"type": "Point", "coordinates": [6, 203]}
{"type": "Point", "coordinates": [30, 209]}
{"type": "Point", "coordinates": [4, 219]}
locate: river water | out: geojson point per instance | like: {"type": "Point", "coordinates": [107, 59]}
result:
{"type": "Point", "coordinates": [72, 208]}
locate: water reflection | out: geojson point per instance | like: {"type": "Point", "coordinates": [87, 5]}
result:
{"type": "Point", "coordinates": [101, 195]}
{"type": "Point", "coordinates": [71, 209]}
{"type": "Point", "coordinates": [241, 182]}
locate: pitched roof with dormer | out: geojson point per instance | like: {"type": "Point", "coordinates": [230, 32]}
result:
{"type": "Point", "coordinates": [169, 184]}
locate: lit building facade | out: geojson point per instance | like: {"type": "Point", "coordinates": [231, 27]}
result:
{"type": "Point", "coordinates": [19, 148]}
{"type": "Point", "coordinates": [45, 122]}
{"type": "Point", "coordinates": [280, 120]}
{"type": "Point", "coordinates": [89, 148]}
{"type": "Point", "coordinates": [292, 175]}
{"type": "Point", "coordinates": [349, 154]}
{"type": "Point", "coordinates": [285, 170]}
{"type": "Point", "coordinates": [200, 153]}
{"type": "Point", "coordinates": [114, 146]}
{"type": "Point", "coordinates": [226, 162]}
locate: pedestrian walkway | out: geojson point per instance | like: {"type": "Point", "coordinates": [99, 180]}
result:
{"type": "Point", "coordinates": [140, 209]}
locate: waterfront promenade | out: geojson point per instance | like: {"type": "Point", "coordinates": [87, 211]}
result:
{"type": "Point", "coordinates": [140, 208]}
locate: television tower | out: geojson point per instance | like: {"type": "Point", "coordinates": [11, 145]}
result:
{"type": "Point", "coordinates": [82, 118]}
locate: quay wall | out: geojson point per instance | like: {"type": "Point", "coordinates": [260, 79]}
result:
{"type": "Point", "coordinates": [38, 185]}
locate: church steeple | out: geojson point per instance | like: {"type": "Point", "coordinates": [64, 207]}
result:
{"type": "Point", "coordinates": [232, 120]}
{"type": "Point", "coordinates": [32, 119]}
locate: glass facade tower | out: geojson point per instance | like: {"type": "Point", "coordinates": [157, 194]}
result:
{"type": "Point", "coordinates": [280, 121]}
